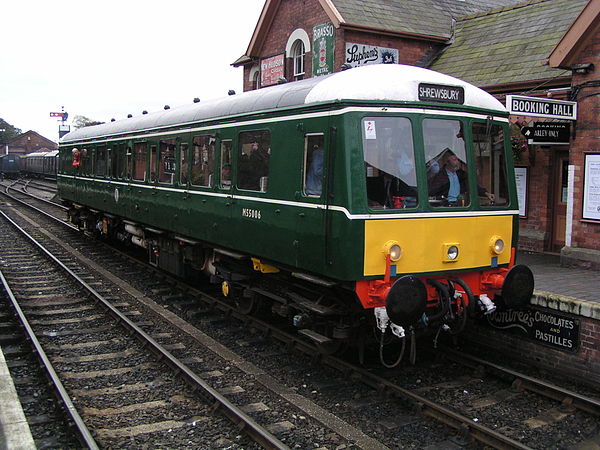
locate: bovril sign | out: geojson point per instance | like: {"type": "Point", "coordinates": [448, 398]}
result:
{"type": "Point", "coordinates": [548, 328]}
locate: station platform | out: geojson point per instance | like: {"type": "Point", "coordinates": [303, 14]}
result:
{"type": "Point", "coordinates": [14, 429]}
{"type": "Point", "coordinates": [568, 289]}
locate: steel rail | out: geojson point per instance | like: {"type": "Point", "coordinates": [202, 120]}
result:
{"type": "Point", "coordinates": [463, 424]}
{"type": "Point", "coordinates": [438, 412]}
{"type": "Point", "coordinates": [84, 433]}
{"type": "Point", "coordinates": [64, 208]}
{"type": "Point", "coordinates": [44, 213]}
{"type": "Point", "coordinates": [522, 381]}
{"type": "Point", "coordinates": [244, 422]}
{"type": "Point", "coordinates": [36, 185]}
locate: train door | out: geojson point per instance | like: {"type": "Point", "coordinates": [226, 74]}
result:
{"type": "Point", "coordinates": [143, 177]}
{"type": "Point", "coordinates": [210, 208]}
{"type": "Point", "coordinates": [311, 218]}
{"type": "Point", "coordinates": [559, 200]}
{"type": "Point", "coordinates": [252, 210]}
{"type": "Point", "coordinates": [224, 181]}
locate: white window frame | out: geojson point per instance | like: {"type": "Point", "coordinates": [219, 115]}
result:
{"type": "Point", "coordinates": [298, 54]}
{"type": "Point", "coordinates": [298, 39]}
{"type": "Point", "coordinates": [254, 77]}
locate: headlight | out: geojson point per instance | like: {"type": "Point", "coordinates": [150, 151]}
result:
{"type": "Point", "coordinates": [393, 249]}
{"type": "Point", "coordinates": [395, 252]}
{"type": "Point", "coordinates": [452, 252]}
{"type": "Point", "coordinates": [497, 245]}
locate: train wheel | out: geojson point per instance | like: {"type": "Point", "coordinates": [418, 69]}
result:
{"type": "Point", "coordinates": [246, 302]}
{"type": "Point", "coordinates": [329, 348]}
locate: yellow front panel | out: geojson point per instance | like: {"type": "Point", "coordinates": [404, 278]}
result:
{"type": "Point", "coordinates": [424, 241]}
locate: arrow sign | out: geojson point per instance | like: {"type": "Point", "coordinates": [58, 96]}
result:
{"type": "Point", "coordinates": [56, 114]}
{"type": "Point", "coordinates": [527, 132]}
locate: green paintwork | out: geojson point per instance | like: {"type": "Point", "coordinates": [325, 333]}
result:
{"type": "Point", "coordinates": [295, 231]}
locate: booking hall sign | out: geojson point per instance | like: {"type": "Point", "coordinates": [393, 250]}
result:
{"type": "Point", "coordinates": [542, 326]}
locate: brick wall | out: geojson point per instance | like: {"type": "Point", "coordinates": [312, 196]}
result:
{"type": "Point", "coordinates": [534, 233]}
{"type": "Point", "coordinates": [586, 235]}
{"type": "Point", "coordinates": [410, 51]}
{"type": "Point", "coordinates": [292, 14]}
{"type": "Point", "coordinates": [305, 14]}
{"type": "Point", "coordinates": [30, 142]}
{"type": "Point", "coordinates": [583, 364]}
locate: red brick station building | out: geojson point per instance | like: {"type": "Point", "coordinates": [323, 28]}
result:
{"type": "Point", "coordinates": [548, 50]}
{"type": "Point", "coordinates": [28, 142]}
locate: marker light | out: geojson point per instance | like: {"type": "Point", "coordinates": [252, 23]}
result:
{"type": "Point", "coordinates": [451, 251]}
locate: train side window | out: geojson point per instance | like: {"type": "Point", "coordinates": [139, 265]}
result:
{"type": "Point", "coordinates": [139, 161]}
{"type": "Point", "coordinates": [109, 161]}
{"type": "Point", "coordinates": [253, 160]}
{"type": "Point", "coordinates": [203, 160]}
{"type": "Point", "coordinates": [490, 164]}
{"type": "Point", "coordinates": [166, 162]}
{"type": "Point", "coordinates": [389, 156]}
{"type": "Point", "coordinates": [100, 164]}
{"type": "Point", "coordinates": [226, 164]}
{"type": "Point", "coordinates": [117, 154]}
{"type": "Point", "coordinates": [120, 169]}
{"type": "Point", "coordinates": [152, 163]}
{"type": "Point", "coordinates": [446, 162]}
{"type": "Point", "coordinates": [183, 163]}
{"type": "Point", "coordinates": [84, 161]}
{"type": "Point", "coordinates": [126, 167]}
{"type": "Point", "coordinates": [313, 164]}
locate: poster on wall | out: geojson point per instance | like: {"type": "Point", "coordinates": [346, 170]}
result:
{"type": "Point", "coordinates": [271, 69]}
{"type": "Point", "coordinates": [539, 325]}
{"type": "Point", "coordinates": [591, 188]}
{"type": "Point", "coordinates": [323, 49]}
{"type": "Point", "coordinates": [521, 179]}
{"type": "Point", "coordinates": [358, 55]}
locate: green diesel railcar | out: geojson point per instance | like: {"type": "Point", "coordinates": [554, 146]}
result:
{"type": "Point", "coordinates": [385, 187]}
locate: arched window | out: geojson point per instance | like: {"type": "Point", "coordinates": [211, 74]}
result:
{"type": "Point", "coordinates": [298, 53]}
{"type": "Point", "coordinates": [254, 77]}
{"type": "Point", "coordinates": [298, 45]}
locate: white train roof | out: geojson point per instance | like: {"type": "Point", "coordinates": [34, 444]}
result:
{"type": "Point", "coordinates": [378, 82]}
{"type": "Point", "coordinates": [47, 154]}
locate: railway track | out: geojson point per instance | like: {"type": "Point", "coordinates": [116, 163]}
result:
{"type": "Point", "coordinates": [68, 316]}
{"type": "Point", "coordinates": [47, 186]}
{"type": "Point", "coordinates": [384, 407]}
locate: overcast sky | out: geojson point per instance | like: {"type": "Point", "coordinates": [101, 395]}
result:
{"type": "Point", "coordinates": [111, 58]}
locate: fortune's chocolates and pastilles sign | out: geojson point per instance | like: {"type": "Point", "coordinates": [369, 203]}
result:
{"type": "Point", "coordinates": [542, 326]}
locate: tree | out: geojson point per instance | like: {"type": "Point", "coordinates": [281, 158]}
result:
{"type": "Point", "coordinates": [7, 131]}
{"type": "Point", "coordinates": [82, 121]}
